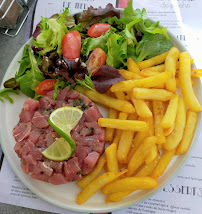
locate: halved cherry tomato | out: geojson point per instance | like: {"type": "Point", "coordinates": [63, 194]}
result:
{"type": "Point", "coordinates": [45, 86]}
{"type": "Point", "coordinates": [96, 60]}
{"type": "Point", "coordinates": [98, 29]}
{"type": "Point", "coordinates": [71, 45]}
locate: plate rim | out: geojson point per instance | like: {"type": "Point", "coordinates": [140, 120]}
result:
{"type": "Point", "coordinates": [155, 191]}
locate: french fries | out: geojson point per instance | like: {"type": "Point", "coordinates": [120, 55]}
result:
{"type": "Point", "coordinates": [97, 184]}
{"type": "Point", "coordinates": [171, 112]}
{"type": "Point", "coordinates": [132, 125]}
{"type": "Point", "coordinates": [147, 169]}
{"type": "Point", "coordinates": [113, 114]}
{"type": "Point", "coordinates": [188, 132]}
{"type": "Point", "coordinates": [120, 95]}
{"type": "Point", "coordinates": [158, 115]}
{"type": "Point", "coordinates": [128, 75]}
{"type": "Point", "coordinates": [152, 94]}
{"type": "Point", "coordinates": [152, 154]}
{"type": "Point", "coordinates": [132, 66]}
{"type": "Point", "coordinates": [163, 163]}
{"type": "Point", "coordinates": [185, 82]}
{"type": "Point", "coordinates": [103, 99]}
{"type": "Point", "coordinates": [91, 176]}
{"type": "Point", "coordinates": [175, 137]}
{"type": "Point", "coordinates": [152, 125]}
{"type": "Point", "coordinates": [141, 153]}
{"type": "Point", "coordinates": [117, 196]}
{"type": "Point", "coordinates": [125, 142]}
{"type": "Point", "coordinates": [153, 61]}
{"type": "Point", "coordinates": [112, 163]}
{"type": "Point", "coordinates": [141, 83]}
{"type": "Point", "coordinates": [122, 116]}
{"type": "Point", "coordinates": [196, 72]}
{"type": "Point", "coordinates": [141, 107]}
{"type": "Point", "coordinates": [131, 183]}
{"type": "Point", "coordinates": [170, 66]}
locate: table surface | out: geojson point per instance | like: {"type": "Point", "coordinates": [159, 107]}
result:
{"type": "Point", "coordinates": [8, 48]}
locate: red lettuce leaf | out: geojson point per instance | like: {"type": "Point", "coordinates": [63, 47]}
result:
{"type": "Point", "coordinates": [94, 15]}
{"type": "Point", "coordinates": [105, 77]}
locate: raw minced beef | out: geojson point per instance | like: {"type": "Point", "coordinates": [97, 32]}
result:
{"type": "Point", "coordinates": [33, 135]}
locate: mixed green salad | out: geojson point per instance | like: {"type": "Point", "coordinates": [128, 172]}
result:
{"type": "Point", "coordinates": [85, 49]}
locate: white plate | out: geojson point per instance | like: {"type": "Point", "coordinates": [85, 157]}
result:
{"type": "Point", "coordinates": [65, 195]}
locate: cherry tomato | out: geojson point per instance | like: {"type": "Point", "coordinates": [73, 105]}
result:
{"type": "Point", "coordinates": [98, 29]}
{"type": "Point", "coordinates": [71, 45]}
{"type": "Point", "coordinates": [45, 86]}
{"type": "Point", "coordinates": [96, 60]}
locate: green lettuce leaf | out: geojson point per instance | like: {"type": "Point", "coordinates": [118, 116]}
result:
{"type": "Point", "coordinates": [89, 44]}
{"type": "Point", "coordinates": [53, 31]}
{"type": "Point", "coordinates": [116, 51]}
{"type": "Point", "coordinates": [24, 63]}
{"type": "Point", "coordinates": [152, 45]}
{"type": "Point", "coordinates": [32, 78]}
{"type": "Point", "coordinates": [87, 82]}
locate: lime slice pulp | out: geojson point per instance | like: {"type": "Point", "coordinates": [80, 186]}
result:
{"type": "Point", "coordinates": [63, 120]}
{"type": "Point", "coordinates": [58, 151]}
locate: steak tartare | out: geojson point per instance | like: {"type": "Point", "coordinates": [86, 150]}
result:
{"type": "Point", "coordinates": [33, 135]}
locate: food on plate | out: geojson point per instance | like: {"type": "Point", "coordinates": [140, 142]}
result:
{"type": "Point", "coordinates": [97, 184]}
{"type": "Point", "coordinates": [127, 65]}
{"type": "Point", "coordinates": [33, 135]}
{"type": "Point", "coordinates": [185, 82]}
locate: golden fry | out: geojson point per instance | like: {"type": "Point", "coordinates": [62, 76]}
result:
{"type": "Point", "coordinates": [152, 154]}
{"type": "Point", "coordinates": [97, 184]}
{"type": "Point", "coordinates": [148, 72]}
{"type": "Point", "coordinates": [111, 155]}
{"type": "Point", "coordinates": [169, 130]}
{"type": "Point", "coordinates": [117, 196]}
{"type": "Point", "coordinates": [132, 66]}
{"type": "Point", "coordinates": [161, 68]}
{"type": "Point", "coordinates": [185, 83]}
{"type": "Point", "coordinates": [176, 136]}
{"type": "Point", "coordinates": [132, 125]}
{"type": "Point", "coordinates": [113, 114]}
{"type": "Point", "coordinates": [128, 75]}
{"type": "Point", "coordinates": [196, 72]}
{"type": "Point", "coordinates": [140, 155]}
{"type": "Point", "coordinates": [141, 83]}
{"type": "Point", "coordinates": [188, 132]}
{"type": "Point", "coordinates": [171, 113]}
{"type": "Point", "coordinates": [158, 115]}
{"type": "Point", "coordinates": [141, 136]}
{"type": "Point", "coordinates": [120, 95]}
{"type": "Point", "coordinates": [147, 169]}
{"type": "Point", "coordinates": [152, 94]}
{"type": "Point", "coordinates": [141, 108]}
{"type": "Point", "coordinates": [129, 184]}
{"type": "Point", "coordinates": [120, 105]}
{"type": "Point", "coordinates": [124, 145]}
{"type": "Point", "coordinates": [170, 66]}
{"type": "Point", "coordinates": [92, 175]}
{"type": "Point", "coordinates": [122, 116]}
{"type": "Point", "coordinates": [152, 61]}
{"type": "Point", "coordinates": [151, 126]}
{"type": "Point", "coordinates": [163, 163]}
{"type": "Point", "coordinates": [158, 68]}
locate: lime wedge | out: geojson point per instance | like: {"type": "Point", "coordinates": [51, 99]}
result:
{"type": "Point", "coordinates": [63, 120]}
{"type": "Point", "coordinates": [58, 151]}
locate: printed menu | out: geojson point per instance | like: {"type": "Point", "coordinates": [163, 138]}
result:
{"type": "Point", "coordinates": [183, 195]}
